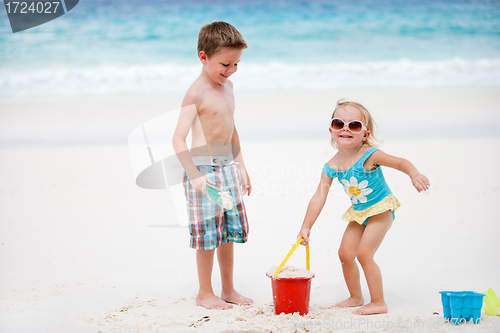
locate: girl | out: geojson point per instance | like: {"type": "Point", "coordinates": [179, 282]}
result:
{"type": "Point", "coordinates": [357, 167]}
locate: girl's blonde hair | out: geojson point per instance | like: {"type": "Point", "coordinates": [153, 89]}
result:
{"type": "Point", "coordinates": [367, 120]}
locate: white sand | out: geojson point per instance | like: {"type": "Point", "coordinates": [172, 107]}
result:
{"type": "Point", "coordinates": [227, 200]}
{"type": "Point", "coordinates": [82, 249]}
{"type": "Point", "coordinates": [289, 272]}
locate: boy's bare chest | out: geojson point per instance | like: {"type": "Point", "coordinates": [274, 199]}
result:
{"type": "Point", "coordinates": [218, 109]}
{"type": "Point", "coordinates": [216, 117]}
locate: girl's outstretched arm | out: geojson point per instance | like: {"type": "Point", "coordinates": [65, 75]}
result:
{"type": "Point", "coordinates": [314, 208]}
{"type": "Point", "coordinates": [419, 181]}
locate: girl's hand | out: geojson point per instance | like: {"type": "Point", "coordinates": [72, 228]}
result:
{"type": "Point", "coordinates": [420, 182]}
{"type": "Point", "coordinates": [304, 233]}
{"type": "Point", "coordinates": [200, 183]}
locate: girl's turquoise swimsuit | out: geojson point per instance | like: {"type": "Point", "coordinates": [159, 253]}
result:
{"type": "Point", "coordinates": [370, 195]}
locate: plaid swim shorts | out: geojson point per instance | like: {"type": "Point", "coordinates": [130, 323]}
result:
{"type": "Point", "coordinates": [210, 224]}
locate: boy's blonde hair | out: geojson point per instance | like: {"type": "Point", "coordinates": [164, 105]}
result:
{"type": "Point", "coordinates": [216, 35]}
{"type": "Point", "coordinates": [367, 120]}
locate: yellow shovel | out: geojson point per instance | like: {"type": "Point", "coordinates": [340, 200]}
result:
{"type": "Point", "coordinates": [308, 265]}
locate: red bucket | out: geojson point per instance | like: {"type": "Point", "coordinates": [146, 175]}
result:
{"type": "Point", "coordinates": [291, 295]}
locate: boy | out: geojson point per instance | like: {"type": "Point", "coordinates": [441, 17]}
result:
{"type": "Point", "coordinates": [208, 111]}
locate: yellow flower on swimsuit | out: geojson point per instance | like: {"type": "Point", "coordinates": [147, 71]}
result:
{"type": "Point", "coordinates": [357, 192]}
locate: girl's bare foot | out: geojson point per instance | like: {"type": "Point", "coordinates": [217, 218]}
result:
{"type": "Point", "coordinates": [371, 308]}
{"type": "Point", "coordinates": [350, 302]}
{"type": "Point", "coordinates": [212, 302]}
{"type": "Point", "coordinates": [236, 298]}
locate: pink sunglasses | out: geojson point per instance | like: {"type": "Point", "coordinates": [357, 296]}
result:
{"type": "Point", "coordinates": [355, 126]}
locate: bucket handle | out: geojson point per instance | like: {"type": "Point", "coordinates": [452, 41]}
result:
{"type": "Point", "coordinates": [308, 264]}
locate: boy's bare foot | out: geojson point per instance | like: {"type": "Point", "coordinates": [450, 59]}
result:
{"type": "Point", "coordinates": [350, 302]}
{"type": "Point", "coordinates": [236, 298]}
{"type": "Point", "coordinates": [371, 308]}
{"type": "Point", "coordinates": [212, 302]}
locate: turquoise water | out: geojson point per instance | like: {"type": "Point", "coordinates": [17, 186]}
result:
{"type": "Point", "coordinates": [125, 46]}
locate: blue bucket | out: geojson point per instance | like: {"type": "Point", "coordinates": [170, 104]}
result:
{"type": "Point", "coordinates": [462, 306]}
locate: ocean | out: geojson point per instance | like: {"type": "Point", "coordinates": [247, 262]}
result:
{"type": "Point", "coordinates": [132, 46]}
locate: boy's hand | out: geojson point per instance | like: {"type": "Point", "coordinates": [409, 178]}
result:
{"type": "Point", "coordinates": [200, 183]}
{"type": "Point", "coordinates": [304, 233]}
{"type": "Point", "coordinates": [420, 182]}
{"type": "Point", "coordinates": [246, 185]}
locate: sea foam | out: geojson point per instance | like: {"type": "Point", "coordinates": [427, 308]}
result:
{"type": "Point", "coordinates": [170, 77]}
